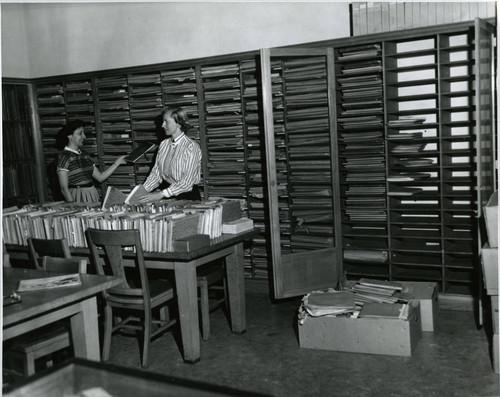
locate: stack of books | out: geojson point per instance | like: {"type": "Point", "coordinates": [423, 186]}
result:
{"type": "Point", "coordinates": [159, 223]}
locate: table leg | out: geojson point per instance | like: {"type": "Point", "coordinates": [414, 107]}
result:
{"type": "Point", "coordinates": [236, 289]}
{"type": "Point", "coordinates": [187, 300]}
{"type": "Point", "coordinates": [85, 331]}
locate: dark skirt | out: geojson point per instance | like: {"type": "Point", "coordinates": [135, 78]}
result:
{"type": "Point", "coordinates": [192, 195]}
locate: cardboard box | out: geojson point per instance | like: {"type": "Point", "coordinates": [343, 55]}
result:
{"type": "Point", "coordinates": [491, 220]}
{"type": "Point", "coordinates": [427, 294]}
{"type": "Point", "coordinates": [489, 261]}
{"type": "Point", "coordinates": [392, 337]}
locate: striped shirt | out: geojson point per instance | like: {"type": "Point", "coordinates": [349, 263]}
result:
{"type": "Point", "coordinates": [179, 163]}
{"type": "Point", "coordinates": [78, 164]}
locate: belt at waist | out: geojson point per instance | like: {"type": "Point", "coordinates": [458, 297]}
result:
{"type": "Point", "coordinates": [86, 185]}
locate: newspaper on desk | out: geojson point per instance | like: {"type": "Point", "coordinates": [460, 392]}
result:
{"type": "Point", "coordinates": [34, 284]}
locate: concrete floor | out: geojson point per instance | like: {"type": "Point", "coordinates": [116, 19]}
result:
{"type": "Point", "coordinates": [454, 360]}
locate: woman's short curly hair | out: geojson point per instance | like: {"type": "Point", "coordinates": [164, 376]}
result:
{"type": "Point", "coordinates": [67, 130]}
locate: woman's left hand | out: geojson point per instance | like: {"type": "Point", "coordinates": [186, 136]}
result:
{"type": "Point", "coordinates": [155, 196]}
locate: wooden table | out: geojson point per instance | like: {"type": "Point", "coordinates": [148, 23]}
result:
{"type": "Point", "coordinates": [42, 307]}
{"type": "Point", "coordinates": [184, 265]}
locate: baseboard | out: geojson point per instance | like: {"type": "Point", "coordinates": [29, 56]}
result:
{"type": "Point", "coordinates": [457, 302]}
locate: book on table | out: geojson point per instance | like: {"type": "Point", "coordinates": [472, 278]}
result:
{"type": "Point", "coordinates": [237, 226]}
{"type": "Point", "coordinates": [136, 194]}
{"type": "Point", "coordinates": [113, 196]}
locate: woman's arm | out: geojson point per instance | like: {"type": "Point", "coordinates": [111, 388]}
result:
{"type": "Point", "coordinates": [63, 183]}
{"type": "Point", "coordinates": [154, 178]}
{"type": "Point", "coordinates": [102, 176]}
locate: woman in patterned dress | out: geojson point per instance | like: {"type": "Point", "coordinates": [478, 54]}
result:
{"type": "Point", "coordinates": [75, 169]}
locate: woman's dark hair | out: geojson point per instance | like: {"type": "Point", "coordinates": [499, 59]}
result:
{"type": "Point", "coordinates": [68, 129]}
{"type": "Point", "coordinates": [180, 117]}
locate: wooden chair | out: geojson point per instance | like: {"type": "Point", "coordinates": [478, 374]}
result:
{"type": "Point", "coordinates": [38, 248]}
{"type": "Point", "coordinates": [49, 339]}
{"type": "Point", "coordinates": [140, 295]}
{"type": "Point", "coordinates": [211, 278]}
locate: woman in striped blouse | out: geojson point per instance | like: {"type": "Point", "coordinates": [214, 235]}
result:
{"type": "Point", "coordinates": [76, 170]}
{"type": "Point", "coordinates": [178, 162]}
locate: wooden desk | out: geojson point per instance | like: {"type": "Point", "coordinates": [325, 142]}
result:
{"type": "Point", "coordinates": [39, 308]}
{"type": "Point", "coordinates": [184, 265]}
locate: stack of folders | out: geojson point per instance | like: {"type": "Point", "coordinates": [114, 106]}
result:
{"type": "Point", "coordinates": [376, 291]}
{"type": "Point", "coordinates": [326, 303]}
{"type": "Point", "coordinates": [159, 223]}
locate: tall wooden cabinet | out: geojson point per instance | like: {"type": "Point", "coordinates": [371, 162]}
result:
{"type": "Point", "coordinates": [369, 155]}
{"type": "Point", "coordinates": [18, 148]}
{"type": "Point", "coordinates": [415, 142]}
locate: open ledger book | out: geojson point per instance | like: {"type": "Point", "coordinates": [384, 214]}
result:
{"type": "Point", "coordinates": [115, 196]}
{"type": "Point", "coordinates": [140, 151]}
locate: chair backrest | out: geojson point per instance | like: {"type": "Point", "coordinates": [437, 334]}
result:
{"type": "Point", "coordinates": [113, 243]}
{"type": "Point", "coordinates": [38, 248]}
{"type": "Point", "coordinates": [64, 265]}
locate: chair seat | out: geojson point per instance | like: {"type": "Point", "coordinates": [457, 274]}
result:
{"type": "Point", "coordinates": [160, 291]}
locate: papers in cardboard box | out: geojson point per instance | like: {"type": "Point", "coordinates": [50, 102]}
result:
{"type": "Point", "coordinates": [320, 303]}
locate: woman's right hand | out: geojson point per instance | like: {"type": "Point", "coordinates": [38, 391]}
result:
{"type": "Point", "coordinates": [150, 197]}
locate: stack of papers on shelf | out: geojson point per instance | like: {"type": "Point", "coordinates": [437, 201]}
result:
{"type": "Point", "coordinates": [364, 256]}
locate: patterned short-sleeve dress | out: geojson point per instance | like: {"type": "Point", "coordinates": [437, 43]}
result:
{"type": "Point", "coordinates": [79, 167]}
